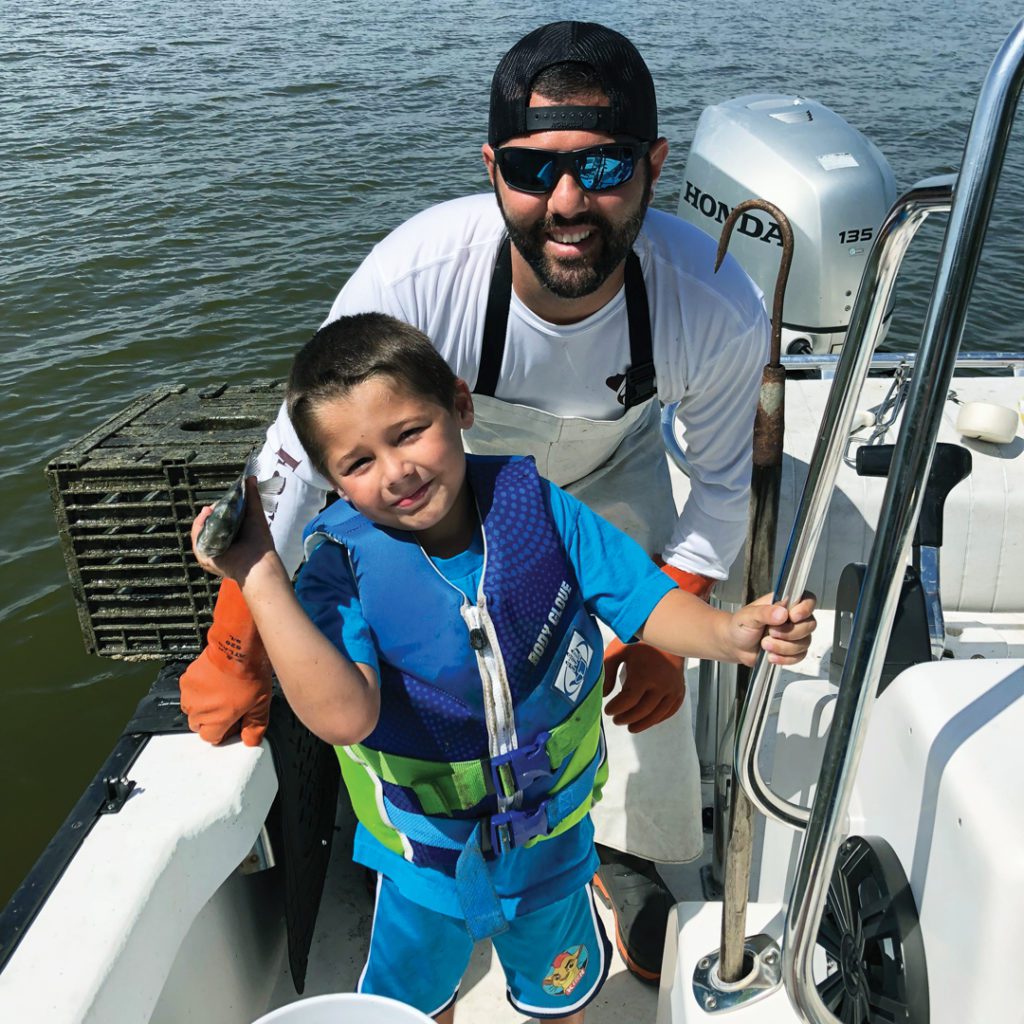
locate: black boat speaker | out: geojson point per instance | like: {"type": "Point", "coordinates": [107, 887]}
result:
{"type": "Point", "coordinates": [874, 957]}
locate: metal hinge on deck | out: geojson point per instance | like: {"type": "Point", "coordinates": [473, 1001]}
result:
{"type": "Point", "coordinates": [118, 788]}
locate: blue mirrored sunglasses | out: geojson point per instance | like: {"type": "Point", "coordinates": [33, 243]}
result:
{"type": "Point", "coordinates": [594, 169]}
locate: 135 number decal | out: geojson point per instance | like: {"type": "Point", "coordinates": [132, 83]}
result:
{"type": "Point", "coordinates": [856, 235]}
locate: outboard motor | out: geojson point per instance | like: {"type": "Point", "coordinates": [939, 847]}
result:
{"type": "Point", "coordinates": [830, 181]}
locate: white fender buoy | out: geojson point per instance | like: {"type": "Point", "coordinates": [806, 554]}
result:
{"type": "Point", "coordinates": [987, 422]}
{"type": "Point", "coordinates": [862, 419]}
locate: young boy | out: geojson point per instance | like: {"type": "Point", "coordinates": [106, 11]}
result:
{"type": "Point", "coordinates": [442, 635]}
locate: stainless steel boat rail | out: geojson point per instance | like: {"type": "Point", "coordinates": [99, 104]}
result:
{"type": "Point", "coordinates": [826, 364]}
{"type": "Point", "coordinates": [866, 323]}
{"type": "Point", "coordinates": [851, 368]}
{"type": "Point", "coordinates": [872, 623]}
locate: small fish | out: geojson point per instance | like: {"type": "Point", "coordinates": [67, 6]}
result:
{"type": "Point", "coordinates": [222, 525]}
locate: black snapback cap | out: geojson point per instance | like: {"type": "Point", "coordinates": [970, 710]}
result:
{"type": "Point", "coordinates": [614, 59]}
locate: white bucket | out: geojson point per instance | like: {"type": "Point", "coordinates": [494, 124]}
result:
{"type": "Point", "coordinates": [345, 1008]}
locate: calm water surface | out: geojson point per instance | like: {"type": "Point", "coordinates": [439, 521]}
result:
{"type": "Point", "coordinates": [186, 186]}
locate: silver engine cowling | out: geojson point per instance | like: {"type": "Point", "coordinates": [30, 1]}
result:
{"type": "Point", "coordinates": [834, 186]}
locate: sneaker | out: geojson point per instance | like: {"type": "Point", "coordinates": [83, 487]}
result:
{"type": "Point", "coordinates": [640, 903]}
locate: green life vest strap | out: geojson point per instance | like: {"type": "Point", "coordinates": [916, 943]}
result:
{"type": "Point", "coordinates": [443, 787]}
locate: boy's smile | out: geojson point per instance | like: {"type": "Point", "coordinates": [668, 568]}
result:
{"type": "Point", "coordinates": [397, 458]}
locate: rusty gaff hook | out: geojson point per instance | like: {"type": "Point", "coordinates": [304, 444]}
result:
{"type": "Point", "coordinates": [784, 264]}
{"type": "Point", "coordinates": [769, 419]}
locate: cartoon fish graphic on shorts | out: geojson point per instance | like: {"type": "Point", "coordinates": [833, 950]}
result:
{"type": "Point", "coordinates": [567, 970]}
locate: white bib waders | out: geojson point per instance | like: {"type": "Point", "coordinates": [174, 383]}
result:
{"type": "Point", "coordinates": [651, 805]}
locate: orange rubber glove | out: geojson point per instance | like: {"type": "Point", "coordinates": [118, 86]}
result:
{"type": "Point", "coordinates": [653, 688]}
{"type": "Point", "coordinates": [228, 686]}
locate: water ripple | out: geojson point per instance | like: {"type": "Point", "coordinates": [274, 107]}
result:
{"type": "Point", "coordinates": [186, 186]}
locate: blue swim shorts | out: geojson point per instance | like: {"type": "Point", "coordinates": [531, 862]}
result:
{"type": "Point", "coordinates": [555, 959]}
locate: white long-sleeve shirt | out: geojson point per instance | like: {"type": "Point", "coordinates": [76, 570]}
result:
{"type": "Point", "coordinates": [709, 337]}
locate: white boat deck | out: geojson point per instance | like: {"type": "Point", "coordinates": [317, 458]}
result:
{"type": "Point", "coordinates": [343, 927]}
{"type": "Point", "coordinates": [153, 924]}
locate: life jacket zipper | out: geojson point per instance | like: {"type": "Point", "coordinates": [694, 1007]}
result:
{"type": "Point", "coordinates": [498, 711]}
{"type": "Point", "coordinates": [499, 714]}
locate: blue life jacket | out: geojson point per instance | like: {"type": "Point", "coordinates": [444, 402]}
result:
{"type": "Point", "coordinates": [490, 702]}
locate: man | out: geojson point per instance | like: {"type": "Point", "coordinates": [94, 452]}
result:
{"type": "Point", "coordinates": [572, 309]}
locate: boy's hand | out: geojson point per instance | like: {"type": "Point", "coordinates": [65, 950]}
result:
{"type": "Point", "coordinates": [785, 634]}
{"type": "Point", "coordinates": [229, 685]}
{"type": "Point", "coordinates": [251, 546]}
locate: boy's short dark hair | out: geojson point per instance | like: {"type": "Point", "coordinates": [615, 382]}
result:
{"type": "Point", "coordinates": [353, 349]}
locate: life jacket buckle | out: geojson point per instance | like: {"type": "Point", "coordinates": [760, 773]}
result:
{"type": "Point", "coordinates": [513, 772]}
{"type": "Point", "coordinates": [516, 828]}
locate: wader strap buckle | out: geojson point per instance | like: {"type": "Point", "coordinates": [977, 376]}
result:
{"type": "Point", "coordinates": [634, 387]}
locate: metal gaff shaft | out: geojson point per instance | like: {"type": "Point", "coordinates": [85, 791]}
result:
{"type": "Point", "coordinates": [769, 422]}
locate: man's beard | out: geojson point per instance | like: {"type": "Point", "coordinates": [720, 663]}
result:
{"type": "Point", "coordinates": [574, 278]}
